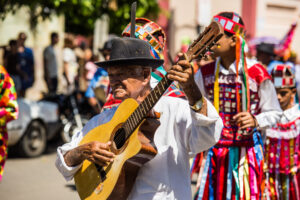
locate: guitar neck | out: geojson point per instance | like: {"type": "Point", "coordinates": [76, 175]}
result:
{"type": "Point", "coordinates": [144, 108]}
{"type": "Point", "coordinates": [198, 48]}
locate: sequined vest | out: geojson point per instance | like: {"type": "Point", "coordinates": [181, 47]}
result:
{"type": "Point", "coordinates": [282, 148]}
{"type": "Point", "coordinates": [231, 135]}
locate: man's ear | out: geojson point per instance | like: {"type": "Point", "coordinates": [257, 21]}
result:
{"type": "Point", "coordinates": [147, 74]}
{"type": "Point", "coordinates": [233, 41]}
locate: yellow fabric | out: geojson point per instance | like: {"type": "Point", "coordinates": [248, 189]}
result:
{"type": "Point", "coordinates": [292, 149]}
{"type": "Point", "coordinates": [217, 88]}
{"type": "Point", "coordinates": [272, 188]}
{"type": "Point", "coordinates": [246, 179]}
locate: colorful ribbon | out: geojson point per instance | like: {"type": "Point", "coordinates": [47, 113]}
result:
{"type": "Point", "coordinates": [246, 178]}
{"type": "Point", "coordinates": [229, 174]}
{"type": "Point", "coordinates": [205, 173]}
{"type": "Point", "coordinates": [241, 171]}
{"type": "Point", "coordinates": [252, 175]}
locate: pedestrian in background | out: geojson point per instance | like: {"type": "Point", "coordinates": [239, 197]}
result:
{"type": "Point", "coordinates": [8, 112]}
{"type": "Point", "coordinates": [98, 87]}
{"type": "Point", "coordinates": [12, 65]}
{"type": "Point", "coordinates": [26, 62]}
{"type": "Point", "coordinates": [265, 53]}
{"type": "Point", "coordinates": [70, 65]}
{"type": "Point", "coordinates": [84, 54]}
{"type": "Point", "coordinates": [50, 64]}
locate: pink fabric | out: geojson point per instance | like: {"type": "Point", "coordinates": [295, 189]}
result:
{"type": "Point", "coordinates": [91, 70]}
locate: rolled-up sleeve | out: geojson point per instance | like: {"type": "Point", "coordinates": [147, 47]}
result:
{"type": "Point", "coordinates": [269, 106]}
{"type": "Point", "coordinates": [67, 171]}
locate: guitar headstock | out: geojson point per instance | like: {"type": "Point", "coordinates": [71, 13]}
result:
{"type": "Point", "coordinates": [206, 40]}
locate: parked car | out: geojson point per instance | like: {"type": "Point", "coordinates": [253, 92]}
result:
{"type": "Point", "coordinates": [37, 123]}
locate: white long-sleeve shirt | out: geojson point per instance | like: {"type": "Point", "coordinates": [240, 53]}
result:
{"type": "Point", "coordinates": [289, 115]}
{"type": "Point", "coordinates": [182, 132]}
{"type": "Point", "coordinates": [269, 106]}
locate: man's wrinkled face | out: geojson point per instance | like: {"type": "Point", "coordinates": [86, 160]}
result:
{"type": "Point", "coordinates": [128, 81]}
{"type": "Point", "coordinates": [285, 97]}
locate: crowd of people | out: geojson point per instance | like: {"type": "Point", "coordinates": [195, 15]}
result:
{"type": "Point", "coordinates": [78, 66]}
{"type": "Point", "coordinates": [235, 114]}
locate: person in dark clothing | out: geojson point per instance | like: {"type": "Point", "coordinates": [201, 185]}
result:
{"type": "Point", "coordinates": [265, 53]}
{"type": "Point", "coordinates": [11, 63]}
{"type": "Point", "coordinates": [26, 62]}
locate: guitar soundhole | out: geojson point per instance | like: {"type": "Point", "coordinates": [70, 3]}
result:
{"type": "Point", "coordinates": [101, 172]}
{"type": "Point", "coordinates": [120, 138]}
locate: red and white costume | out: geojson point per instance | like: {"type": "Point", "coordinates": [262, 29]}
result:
{"type": "Point", "coordinates": [233, 168]}
{"type": "Point", "coordinates": [282, 147]}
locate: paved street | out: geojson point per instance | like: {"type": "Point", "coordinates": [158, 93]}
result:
{"type": "Point", "coordinates": [35, 179]}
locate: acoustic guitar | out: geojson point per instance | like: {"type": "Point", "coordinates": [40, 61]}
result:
{"type": "Point", "coordinates": [96, 182]}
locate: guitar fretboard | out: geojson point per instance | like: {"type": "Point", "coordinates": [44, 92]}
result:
{"type": "Point", "coordinates": [143, 109]}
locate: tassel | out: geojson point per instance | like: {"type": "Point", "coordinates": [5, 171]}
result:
{"type": "Point", "coordinates": [237, 61]}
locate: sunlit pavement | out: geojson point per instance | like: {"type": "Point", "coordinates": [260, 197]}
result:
{"type": "Point", "coordinates": [35, 179]}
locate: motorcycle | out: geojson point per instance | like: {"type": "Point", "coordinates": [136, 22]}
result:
{"type": "Point", "coordinates": [74, 112]}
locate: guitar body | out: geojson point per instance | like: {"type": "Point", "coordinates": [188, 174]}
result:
{"type": "Point", "coordinates": [89, 183]}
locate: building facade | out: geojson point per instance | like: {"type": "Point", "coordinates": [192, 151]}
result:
{"type": "Point", "coordinates": [261, 17]}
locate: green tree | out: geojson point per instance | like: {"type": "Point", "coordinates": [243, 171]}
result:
{"type": "Point", "coordinates": [80, 15]}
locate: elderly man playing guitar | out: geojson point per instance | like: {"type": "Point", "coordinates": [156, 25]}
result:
{"type": "Point", "coordinates": [186, 127]}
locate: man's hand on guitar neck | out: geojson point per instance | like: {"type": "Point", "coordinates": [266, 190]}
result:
{"type": "Point", "coordinates": [183, 73]}
{"type": "Point", "coordinates": [96, 152]}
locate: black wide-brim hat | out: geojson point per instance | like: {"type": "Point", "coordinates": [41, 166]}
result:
{"type": "Point", "coordinates": [130, 51]}
{"type": "Point", "coordinates": [266, 48]}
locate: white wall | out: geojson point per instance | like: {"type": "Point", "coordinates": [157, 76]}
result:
{"type": "Point", "coordinates": [275, 17]}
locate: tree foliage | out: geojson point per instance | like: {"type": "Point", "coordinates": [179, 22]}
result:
{"type": "Point", "coordinates": [80, 15]}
